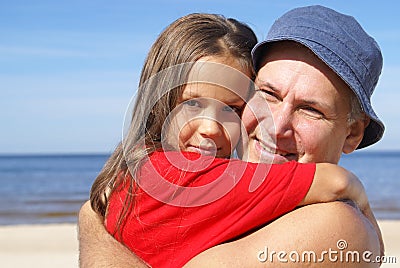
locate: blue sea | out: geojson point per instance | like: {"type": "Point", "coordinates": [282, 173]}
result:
{"type": "Point", "coordinates": [37, 189]}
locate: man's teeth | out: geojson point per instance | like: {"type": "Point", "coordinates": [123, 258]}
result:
{"type": "Point", "coordinates": [273, 151]}
{"type": "Point", "coordinates": [282, 154]}
{"type": "Point", "coordinates": [267, 149]}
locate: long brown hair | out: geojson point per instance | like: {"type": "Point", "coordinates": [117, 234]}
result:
{"type": "Point", "coordinates": [186, 40]}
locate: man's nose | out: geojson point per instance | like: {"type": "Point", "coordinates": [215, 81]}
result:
{"type": "Point", "coordinates": [283, 117]}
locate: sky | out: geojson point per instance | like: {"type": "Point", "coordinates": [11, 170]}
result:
{"type": "Point", "coordinates": [68, 69]}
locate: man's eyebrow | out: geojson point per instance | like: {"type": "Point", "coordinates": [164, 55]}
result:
{"type": "Point", "coordinates": [312, 102]}
{"type": "Point", "coordinates": [261, 83]}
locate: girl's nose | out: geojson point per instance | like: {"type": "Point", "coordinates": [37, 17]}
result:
{"type": "Point", "coordinates": [209, 127]}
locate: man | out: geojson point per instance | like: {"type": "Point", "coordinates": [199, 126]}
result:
{"type": "Point", "coordinates": [316, 72]}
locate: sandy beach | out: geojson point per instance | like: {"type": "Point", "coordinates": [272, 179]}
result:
{"type": "Point", "coordinates": [391, 238]}
{"type": "Point", "coordinates": [39, 246]}
{"type": "Point", "coordinates": [57, 246]}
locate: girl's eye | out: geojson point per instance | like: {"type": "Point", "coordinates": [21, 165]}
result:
{"type": "Point", "coordinates": [192, 103]}
{"type": "Point", "coordinates": [234, 109]}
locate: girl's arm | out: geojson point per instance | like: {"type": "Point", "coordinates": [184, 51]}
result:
{"type": "Point", "coordinates": [331, 183]}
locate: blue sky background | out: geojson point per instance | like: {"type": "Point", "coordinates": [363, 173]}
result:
{"type": "Point", "coordinates": [69, 68]}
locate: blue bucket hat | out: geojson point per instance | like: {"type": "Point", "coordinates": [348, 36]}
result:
{"type": "Point", "coordinates": [340, 42]}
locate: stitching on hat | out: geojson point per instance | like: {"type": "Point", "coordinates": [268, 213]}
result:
{"type": "Point", "coordinates": [341, 42]}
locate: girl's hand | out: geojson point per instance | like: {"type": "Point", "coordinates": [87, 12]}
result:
{"type": "Point", "coordinates": [332, 183]}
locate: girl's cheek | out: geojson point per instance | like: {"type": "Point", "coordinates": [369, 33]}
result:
{"type": "Point", "coordinates": [232, 133]}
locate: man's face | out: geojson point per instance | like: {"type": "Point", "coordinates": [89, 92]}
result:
{"type": "Point", "coordinates": [309, 106]}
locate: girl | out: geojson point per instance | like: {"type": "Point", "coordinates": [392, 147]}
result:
{"type": "Point", "coordinates": [170, 197]}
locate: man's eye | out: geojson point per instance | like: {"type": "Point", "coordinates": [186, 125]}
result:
{"type": "Point", "coordinates": [312, 112]}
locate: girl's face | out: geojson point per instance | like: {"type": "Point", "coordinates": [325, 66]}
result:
{"type": "Point", "coordinates": [207, 119]}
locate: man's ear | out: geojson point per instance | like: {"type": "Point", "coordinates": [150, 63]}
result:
{"type": "Point", "coordinates": [356, 134]}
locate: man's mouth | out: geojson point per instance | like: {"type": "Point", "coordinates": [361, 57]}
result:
{"type": "Point", "coordinates": [271, 153]}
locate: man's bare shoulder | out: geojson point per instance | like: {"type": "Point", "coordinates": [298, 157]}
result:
{"type": "Point", "coordinates": [311, 229]}
{"type": "Point", "coordinates": [97, 248]}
